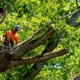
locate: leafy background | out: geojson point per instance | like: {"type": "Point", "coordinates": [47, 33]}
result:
{"type": "Point", "coordinates": [33, 14]}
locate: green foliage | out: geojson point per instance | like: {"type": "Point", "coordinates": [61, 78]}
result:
{"type": "Point", "coordinates": [33, 14]}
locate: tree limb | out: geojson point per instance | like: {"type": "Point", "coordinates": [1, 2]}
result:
{"type": "Point", "coordinates": [39, 58]}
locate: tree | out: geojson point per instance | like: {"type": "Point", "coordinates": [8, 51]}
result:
{"type": "Point", "coordinates": [12, 57]}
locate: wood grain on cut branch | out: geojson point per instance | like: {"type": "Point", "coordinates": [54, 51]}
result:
{"type": "Point", "coordinates": [33, 44]}
{"type": "Point", "coordinates": [39, 58]}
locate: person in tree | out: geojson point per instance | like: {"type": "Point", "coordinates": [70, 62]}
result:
{"type": "Point", "coordinates": [11, 36]}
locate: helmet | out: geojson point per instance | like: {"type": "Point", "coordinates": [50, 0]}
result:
{"type": "Point", "coordinates": [16, 27]}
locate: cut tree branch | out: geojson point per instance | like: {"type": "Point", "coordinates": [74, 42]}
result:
{"type": "Point", "coordinates": [39, 58]}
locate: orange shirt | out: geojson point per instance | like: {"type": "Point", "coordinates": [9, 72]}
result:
{"type": "Point", "coordinates": [10, 35]}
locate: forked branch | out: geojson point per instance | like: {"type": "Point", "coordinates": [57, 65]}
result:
{"type": "Point", "coordinates": [39, 58]}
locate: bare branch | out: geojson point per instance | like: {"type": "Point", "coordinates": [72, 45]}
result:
{"type": "Point", "coordinates": [39, 58]}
